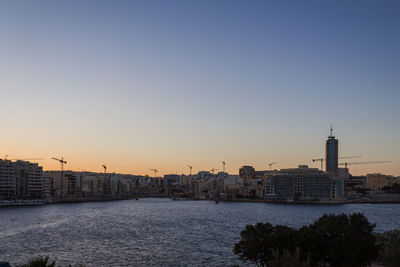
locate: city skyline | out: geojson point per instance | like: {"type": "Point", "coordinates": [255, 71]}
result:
{"type": "Point", "coordinates": [159, 173]}
{"type": "Point", "coordinates": [137, 85]}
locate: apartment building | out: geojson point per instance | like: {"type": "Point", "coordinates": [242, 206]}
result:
{"type": "Point", "coordinates": [301, 183]}
{"type": "Point", "coordinates": [20, 179]}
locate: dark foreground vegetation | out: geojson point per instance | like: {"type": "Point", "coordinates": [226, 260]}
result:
{"type": "Point", "coordinates": [332, 240]}
{"type": "Point", "coordinates": [39, 262]}
{"type": "Point", "coordinates": [43, 262]}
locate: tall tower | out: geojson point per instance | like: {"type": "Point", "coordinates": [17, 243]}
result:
{"type": "Point", "coordinates": [332, 154]}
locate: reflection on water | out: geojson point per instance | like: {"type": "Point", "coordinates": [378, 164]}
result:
{"type": "Point", "coordinates": [154, 231]}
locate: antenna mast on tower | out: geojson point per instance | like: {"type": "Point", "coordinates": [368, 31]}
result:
{"type": "Point", "coordinates": [331, 135]}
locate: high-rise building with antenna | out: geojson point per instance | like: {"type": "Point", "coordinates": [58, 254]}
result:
{"type": "Point", "coordinates": [332, 153]}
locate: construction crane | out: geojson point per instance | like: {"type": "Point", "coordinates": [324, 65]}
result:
{"type": "Point", "coordinates": [105, 179]}
{"type": "Point", "coordinates": [213, 170]}
{"type": "Point", "coordinates": [322, 160]}
{"type": "Point", "coordinates": [350, 157]}
{"type": "Point", "coordinates": [270, 165]}
{"type": "Point", "coordinates": [223, 165]}
{"type": "Point", "coordinates": [155, 172]}
{"type": "Point", "coordinates": [190, 169]}
{"type": "Point", "coordinates": [62, 162]}
{"type": "Point", "coordinates": [363, 162]}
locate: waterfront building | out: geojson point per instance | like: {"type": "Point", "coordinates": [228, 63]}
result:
{"type": "Point", "coordinates": [233, 185]}
{"type": "Point", "coordinates": [376, 181]}
{"type": "Point", "coordinates": [7, 179]}
{"type": "Point", "coordinates": [332, 154]}
{"type": "Point", "coordinates": [71, 180]}
{"type": "Point", "coordinates": [343, 173]}
{"type": "Point", "coordinates": [185, 179]}
{"type": "Point", "coordinates": [247, 172]}
{"type": "Point", "coordinates": [337, 188]}
{"type": "Point", "coordinates": [48, 187]}
{"type": "Point", "coordinates": [260, 189]}
{"type": "Point", "coordinates": [232, 179]}
{"type": "Point", "coordinates": [353, 186]}
{"type": "Point", "coordinates": [172, 179]}
{"type": "Point", "coordinates": [68, 188]}
{"type": "Point", "coordinates": [20, 179]}
{"type": "Point", "coordinates": [29, 181]}
{"type": "Point", "coordinates": [90, 183]}
{"type": "Point", "coordinates": [300, 183]}
{"type": "Point", "coordinates": [194, 188]}
{"type": "Point", "coordinates": [56, 176]}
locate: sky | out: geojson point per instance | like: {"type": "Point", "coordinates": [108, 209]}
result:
{"type": "Point", "coordinates": [138, 85]}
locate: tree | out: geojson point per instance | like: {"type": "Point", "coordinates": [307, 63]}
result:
{"type": "Point", "coordinates": [287, 259]}
{"type": "Point", "coordinates": [389, 243]}
{"type": "Point", "coordinates": [392, 189]}
{"type": "Point", "coordinates": [39, 262]}
{"type": "Point", "coordinates": [337, 240]}
{"type": "Point", "coordinates": [261, 240]}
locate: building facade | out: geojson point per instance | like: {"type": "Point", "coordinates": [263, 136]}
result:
{"type": "Point", "coordinates": [300, 184]}
{"type": "Point", "coordinates": [376, 181]}
{"type": "Point", "coordinates": [20, 179]}
{"type": "Point", "coordinates": [332, 154]}
{"type": "Point", "coordinates": [48, 187]}
{"type": "Point", "coordinates": [7, 179]}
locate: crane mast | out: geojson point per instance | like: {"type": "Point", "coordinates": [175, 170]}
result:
{"type": "Point", "coordinates": [155, 172]}
{"type": "Point", "coordinates": [105, 187]}
{"type": "Point", "coordinates": [190, 169]}
{"type": "Point", "coordinates": [62, 162]}
{"type": "Point", "coordinates": [270, 165]}
{"type": "Point", "coordinates": [321, 159]}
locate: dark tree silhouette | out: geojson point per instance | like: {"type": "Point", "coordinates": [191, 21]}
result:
{"type": "Point", "coordinates": [337, 240]}
{"type": "Point", "coordinates": [389, 243]}
{"type": "Point", "coordinates": [39, 262]}
{"type": "Point", "coordinates": [261, 240]}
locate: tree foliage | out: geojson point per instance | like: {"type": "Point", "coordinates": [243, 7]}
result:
{"type": "Point", "coordinates": [259, 241]}
{"type": "Point", "coordinates": [39, 262]}
{"type": "Point", "coordinates": [392, 189]}
{"type": "Point", "coordinates": [288, 259]}
{"type": "Point", "coordinates": [389, 243]}
{"type": "Point", "coordinates": [337, 240]}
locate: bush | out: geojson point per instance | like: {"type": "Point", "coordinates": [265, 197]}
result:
{"type": "Point", "coordinates": [259, 241]}
{"type": "Point", "coordinates": [337, 240]}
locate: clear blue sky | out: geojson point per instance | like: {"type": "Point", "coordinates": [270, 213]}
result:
{"type": "Point", "coordinates": [164, 84]}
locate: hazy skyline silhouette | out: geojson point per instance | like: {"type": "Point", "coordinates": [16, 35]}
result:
{"type": "Point", "coordinates": [166, 84]}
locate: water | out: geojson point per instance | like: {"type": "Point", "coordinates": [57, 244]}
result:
{"type": "Point", "coordinates": [154, 232]}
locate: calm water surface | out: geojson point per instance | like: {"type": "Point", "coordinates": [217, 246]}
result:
{"type": "Point", "coordinates": [152, 232]}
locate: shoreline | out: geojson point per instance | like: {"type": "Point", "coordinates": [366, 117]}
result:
{"type": "Point", "coordinates": [104, 199]}
{"type": "Point", "coordinates": [73, 200]}
{"type": "Point", "coordinates": [344, 202]}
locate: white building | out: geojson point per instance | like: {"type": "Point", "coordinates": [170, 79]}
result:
{"type": "Point", "coordinates": [20, 179]}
